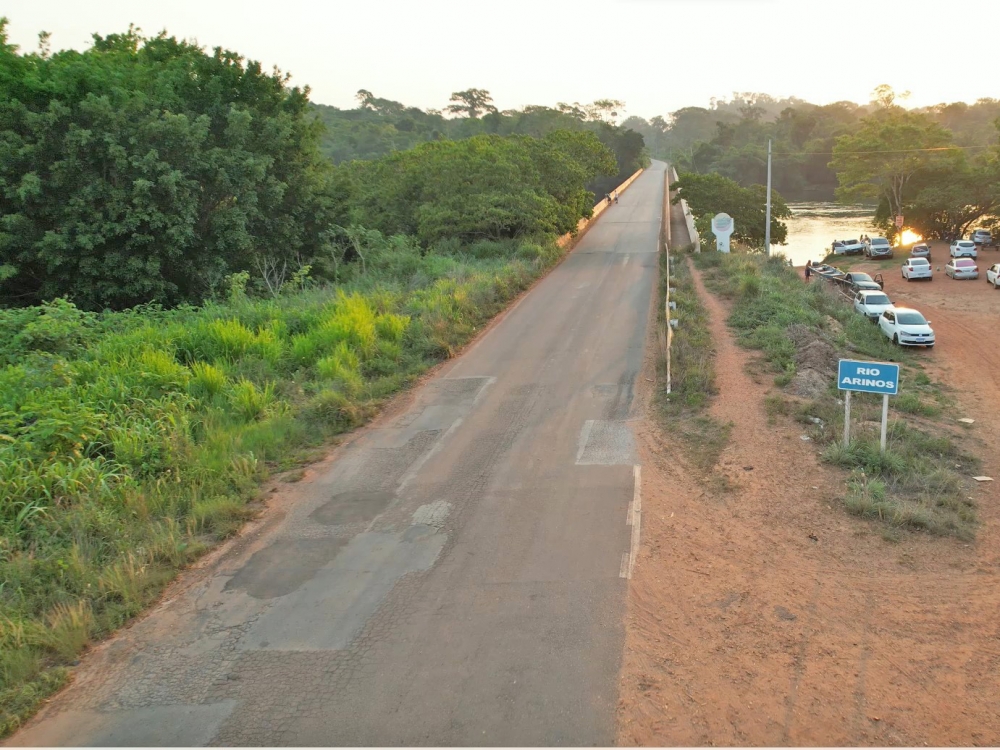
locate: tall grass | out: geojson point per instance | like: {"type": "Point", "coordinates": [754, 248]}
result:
{"type": "Point", "coordinates": [130, 441]}
{"type": "Point", "coordinates": [692, 359]}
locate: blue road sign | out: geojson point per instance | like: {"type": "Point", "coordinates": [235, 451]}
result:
{"type": "Point", "coordinates": [873, 377]}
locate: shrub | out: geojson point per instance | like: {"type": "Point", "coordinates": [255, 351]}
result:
{"type": "Point", "coordinates": [249, 401]}
{"type": "Point", "coordinates": [207, 381]}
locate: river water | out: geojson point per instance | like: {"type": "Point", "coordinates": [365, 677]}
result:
{"type": "Point", "coordinates": [814, 226]}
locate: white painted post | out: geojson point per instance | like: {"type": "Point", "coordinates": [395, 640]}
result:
{"type": "Point", "coordinates": [847, 419]}
{"type": "Point", "coordinates": [767, 218]}
{"type": "Point", "coordinates": [885, 417]}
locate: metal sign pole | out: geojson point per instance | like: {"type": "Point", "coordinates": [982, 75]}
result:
{"type": "Point", "coordinates": [885, 417]}
{"type": "Point", "coordinates": [847, 419]}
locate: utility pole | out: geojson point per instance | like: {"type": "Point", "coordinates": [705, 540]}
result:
{"type": "Point", "coordinates": [767, 218]}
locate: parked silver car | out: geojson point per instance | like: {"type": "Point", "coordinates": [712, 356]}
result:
{"type": "Point", "coordinates": [962, 268]}
{"type": "Point", "coordinates": [878, 247]}
{"type": "Point", "coordinates": [921, 250]}
{"type": "Point", "coordinates": [981, 237]}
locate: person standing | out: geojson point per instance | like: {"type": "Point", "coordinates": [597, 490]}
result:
{"type": "Point", "coordinates": [808, 269]}
{"type": "Point", "coordinates": [616, 196]}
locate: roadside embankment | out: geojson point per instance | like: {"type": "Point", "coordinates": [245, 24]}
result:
{"type": "Point", "coordinates": [922, 481]}
{"type": "Point", "coordinates": [760, 613]}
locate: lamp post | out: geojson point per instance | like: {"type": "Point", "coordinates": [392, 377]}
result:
{"type": "Point", "coordinates": [767, 217]}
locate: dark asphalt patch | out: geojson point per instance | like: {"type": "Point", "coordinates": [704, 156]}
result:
{"type": "Point", "coordinates": [351, 507]}
{"type": "Point", "coordinates": [281, 568]}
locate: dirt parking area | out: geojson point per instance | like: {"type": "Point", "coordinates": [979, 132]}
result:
{"type": "Point", "coordinates": [763, 614]}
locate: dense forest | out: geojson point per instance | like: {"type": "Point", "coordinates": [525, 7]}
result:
{"type": "Point", "coordinates": [937, 166]}
{"type": "Point", "coordinates": [380, 126]}
{"type": "Point", "coordinates": [730, 137]}
{"type": "Point", "coordinates": [149, 170]}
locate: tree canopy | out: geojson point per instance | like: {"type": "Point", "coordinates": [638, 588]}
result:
{"type": "Point", "coordinates": [485, 187]}
{"type": "Point", "coordinates": [145, 169]}
{"type": "Point", "coordinates": [711, 194]}
{"type": "Point", "coordinates": [381, 126]}
{"type": "Point", "coordinates": [882, 157]}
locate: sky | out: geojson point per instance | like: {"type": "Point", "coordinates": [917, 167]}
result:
{"type": "Point", "coordinates": [655, 55]}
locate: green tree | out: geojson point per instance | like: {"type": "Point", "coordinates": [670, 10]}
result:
{"type": "Point", "coordinates": [711, 194]}
{"type": "Point", "coordinates": [954, 199]}
{"type": "Point", "coordinates": [890, 149]}
{"type": "Point", "coordinates": [146, 169]}
{"type": "Point", "coordinates": [472, 103]}
{"type": "Point", "coordinates": [485, 187]}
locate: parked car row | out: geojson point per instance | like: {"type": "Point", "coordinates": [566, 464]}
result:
{"type": "Point", "coordinates": [905, 326]}
{"type": "Point", "coordinates": [902, 325]}
{"type": "Point", "coordinates": [879, 247]}
{"type": "Point", "coordinates": [958, 267]}
{"type": "Point", "coordinates": [872, 247]}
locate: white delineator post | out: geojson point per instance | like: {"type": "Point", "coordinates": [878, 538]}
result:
{"type": "Point", "coordinates": [767, 212]}
{"type": "Point", "coordinates": [885, 418]}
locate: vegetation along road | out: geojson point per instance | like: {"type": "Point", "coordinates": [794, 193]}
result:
{"type": "Point", "coordinates": [456, 566]}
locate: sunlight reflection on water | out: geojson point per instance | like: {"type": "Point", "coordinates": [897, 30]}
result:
{"type": "Point", "coordinates": [814, 226]}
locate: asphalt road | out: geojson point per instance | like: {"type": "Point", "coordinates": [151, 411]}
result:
{"type": "Point", "coordinates": [454, 577]}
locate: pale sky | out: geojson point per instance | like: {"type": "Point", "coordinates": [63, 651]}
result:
{"type": "Point", "coordinates": [656, 55]}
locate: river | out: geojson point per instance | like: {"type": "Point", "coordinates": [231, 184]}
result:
{"type": "Point", "coordinates": [814, 226]}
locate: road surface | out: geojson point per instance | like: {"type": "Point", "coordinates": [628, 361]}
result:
{"type": "Point", "coordinates": [455, 576]}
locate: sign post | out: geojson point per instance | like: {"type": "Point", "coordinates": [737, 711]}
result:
{"type": "Point", "coordinates": [869, 377]}
{"type": "Point", "coordinates": [722, 227]}
{"type": "Point", "coordinates": [899, 222]}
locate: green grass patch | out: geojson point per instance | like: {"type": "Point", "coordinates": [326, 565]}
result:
{"type": "Point", "coordinates": [131, 442]}
{"type": "Point", "coordinates": [919, 482]}
{"type": "Point", "coordinates": [692, 360]}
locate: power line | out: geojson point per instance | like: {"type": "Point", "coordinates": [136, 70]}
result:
{"type": "Point", "coordinates": [888, 151]}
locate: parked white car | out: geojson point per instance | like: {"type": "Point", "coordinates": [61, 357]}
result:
{"type": "Point", "coordinates": [993, 275]}
{"type": "Point", "coordinates": [962, 268]}
{"type": "Point", "coordinates": [918, 268]}
{"type": "Point", "coordinates": [847, 247]}
{"type": "Point", "coordinates": [906, 327]}
{"type": "Point", "coordinates": [871, 304]}
{"type": "Point", "coordinates": [963, 249]}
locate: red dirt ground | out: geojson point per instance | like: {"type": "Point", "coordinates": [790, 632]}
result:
{"type": "Point", "coordinates": [744, 630]}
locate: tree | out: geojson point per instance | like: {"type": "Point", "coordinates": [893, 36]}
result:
{"type": "Point", "coordinates": [890, 149]}
{"type": "Point", "coordinates": [484, 187]}
{"type": "Point", "coordinates": [711, 194]}
{"type": "Point", "coordinates": [604, 110]}
{"type": "Point", "coordinates": [472, 103]}
{"type": "Point", "coordinates": [954, 199]}
{"type": "Point", "coordinates": [146, 170]}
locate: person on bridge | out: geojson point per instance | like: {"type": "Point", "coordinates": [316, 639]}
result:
{"type": "Point", "coordinates": [607, 197]}
{"type": "Point", "coordinates": [616, 196]}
